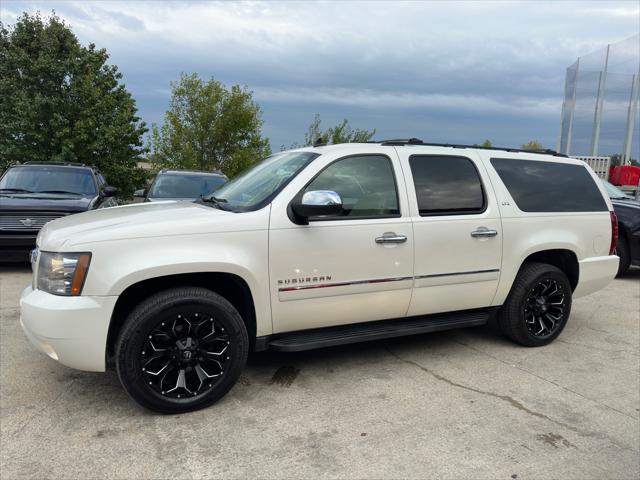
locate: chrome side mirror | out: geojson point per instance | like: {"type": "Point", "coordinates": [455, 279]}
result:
{"type": "Point", "coordinates": [317, 203]}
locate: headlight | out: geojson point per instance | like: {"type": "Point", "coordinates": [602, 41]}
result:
{"type": "Point", "coordinates": [62, 273]}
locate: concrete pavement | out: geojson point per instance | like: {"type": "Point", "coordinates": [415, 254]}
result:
{"type": "Point", "coordinates": [460, 404]}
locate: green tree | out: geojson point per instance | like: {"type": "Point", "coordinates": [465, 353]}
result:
{"type": "Point", "coordinates": [60, 101]}
{"type": "Point", "coordinates": [341, 133]}
{"type": "Point", "coordinates": [532, 145]}
{"type": "Point", "coordinates": [486, 144]}
{"type": "Point", "coordinates": [209, 126]}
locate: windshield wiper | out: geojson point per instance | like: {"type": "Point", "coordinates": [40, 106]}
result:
{"type": "Point", "coordinates": [65, 192]}
{"type": "Point", "coordinates": [214, 202]}
{"type": "Point", "coordinates": [15, 190]}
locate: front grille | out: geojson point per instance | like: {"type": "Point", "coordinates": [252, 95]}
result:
{"type": "Point", "coordinates": [27, 221]}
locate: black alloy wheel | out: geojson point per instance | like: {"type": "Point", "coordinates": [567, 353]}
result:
{"type": "Point", "coordinates": [185, 356]}
{"type": "Point", "coordinates": [544, 308]}
{"type": "Point", "coordinates": [181, 350]}
{"type": "Point", "coordinates": [538, 306]}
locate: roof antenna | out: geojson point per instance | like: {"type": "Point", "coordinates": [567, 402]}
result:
{"type": "Point", "coordinates": [319, 142]}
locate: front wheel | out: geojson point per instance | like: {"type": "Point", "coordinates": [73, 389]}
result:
{"type": "Point", "coordinates": [181, 350]}
{"type": "Point", "coordinates": [538, 306]}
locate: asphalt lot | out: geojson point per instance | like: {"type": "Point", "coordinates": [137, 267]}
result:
{"type": "Point", "coordinates": [461, 404]}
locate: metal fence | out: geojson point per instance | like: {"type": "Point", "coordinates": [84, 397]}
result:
{"type": "Point", "coordinates": [600, 112]}
{"type": "Point", "coordinates": [600, 165]}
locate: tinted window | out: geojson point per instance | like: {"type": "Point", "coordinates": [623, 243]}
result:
{"type": "Point", "coordinates": [365, 183]}
{"type": "Point", "coordinates": [549, 186]}
{"type": "Point", "coordinates": [446, 185]}
{"type": "Point", "coordinates": [45, 179]}
{"type": "Point", "coordinates": [184, 186]}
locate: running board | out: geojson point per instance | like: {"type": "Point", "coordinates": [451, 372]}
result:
{"type": "Point", "coordinates": [363, 332]}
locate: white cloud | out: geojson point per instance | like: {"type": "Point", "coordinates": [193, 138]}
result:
{"type": "Point", "coordinates": [502, 58]}
{"type": "Point", "coordinates": [373, 99]}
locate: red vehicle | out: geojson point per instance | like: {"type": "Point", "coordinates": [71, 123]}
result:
{"type": "Point", "coordinates": [624, 175]}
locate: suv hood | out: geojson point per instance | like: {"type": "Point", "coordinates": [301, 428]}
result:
{"type": "Point", "coordinates": [44, 203]}
{"type": "Point", "coordinates": [141, 220]}
{"type": "Point", "coordinates": [630, 203]}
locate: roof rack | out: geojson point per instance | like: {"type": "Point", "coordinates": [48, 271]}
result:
{"type": "Point", "coordinates": [417, 141]}
{"type": "Point", "coordinates": [179, 170]}
{"type": "Point", "coordinates": [44, 162]}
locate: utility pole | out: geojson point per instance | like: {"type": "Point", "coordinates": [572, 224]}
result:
{"type": "Point", "coordinates": [573, 109]}
{"type": "Point", "coordinates": [631, 118]}
{"type": "Point", "coordinates": [597, 117]}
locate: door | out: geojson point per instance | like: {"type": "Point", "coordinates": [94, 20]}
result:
{"type": "Point", "coordinates": [457, 231]}
{"type": "Point", "coordinates": [353, 267]}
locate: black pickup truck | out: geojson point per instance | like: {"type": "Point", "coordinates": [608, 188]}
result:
{"type": "Point", "coordinates": [32, 194]}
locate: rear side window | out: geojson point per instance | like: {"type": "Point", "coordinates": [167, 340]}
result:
{"type": "Point", "coordinates": [538, 186]}
{"type": "Point", "coordinates": [446, 185]}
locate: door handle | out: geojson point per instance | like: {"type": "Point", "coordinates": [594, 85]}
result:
{"type": "Point", "coordinates": [484, 232]}
{"type": "Point", "coordinates": [391, 237]}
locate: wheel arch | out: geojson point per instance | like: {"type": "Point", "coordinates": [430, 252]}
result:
{"type": "Point", "coordinates": [564, 259]}
{"type": "Point", "coordinates": [229, 285]}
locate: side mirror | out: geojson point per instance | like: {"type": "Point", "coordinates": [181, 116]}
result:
{"type": "Point", "coordinates": [317, 203]}
{"type": "Point", "coordinates": [139, 193]}
{"type": "Point", "coordinates": [109, 191]}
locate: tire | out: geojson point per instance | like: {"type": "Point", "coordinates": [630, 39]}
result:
{"type": "Point", "coordinates": [200, 335]}
{"type": "Point", "coordinates": [622, 250]}
{"type": "Point", "coordinates": [523, 316]}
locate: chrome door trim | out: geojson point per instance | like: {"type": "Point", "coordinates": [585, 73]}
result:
{"type": "Point", "coordinates": [449, 274]}
{"type": "Point", "coordinates": [343, 284]}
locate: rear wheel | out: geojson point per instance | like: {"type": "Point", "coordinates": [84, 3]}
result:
{"type": "Point", "coordinates": [181, 350]}
{"type": "Point", "coordinates": [538, 306]}
{"type": "Point", "coordinates": [622, 250]}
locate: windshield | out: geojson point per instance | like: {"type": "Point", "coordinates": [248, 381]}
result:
{"type": "Point", "coordinates": [259, 185]}
{"type": "Point", "coordinates": [44, 179]}
{"type": "Point", "coordinates": [187, 185]}
{"type": "Point", "coordinates": [614, 192]}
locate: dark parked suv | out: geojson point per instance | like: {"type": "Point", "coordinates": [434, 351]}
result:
{"type": "Point", "coordinates": [32, 194]}
{"type": "Point", "coordinates": [182, 185]}
{"type": "Point", "coordinates": [628, 212]}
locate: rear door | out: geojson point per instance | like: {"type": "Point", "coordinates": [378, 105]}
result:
{"type": "Point", "coordinates": [457, 229]}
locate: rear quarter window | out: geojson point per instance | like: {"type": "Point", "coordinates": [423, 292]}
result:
{"type": "Point", "coordinates": [539, 186]}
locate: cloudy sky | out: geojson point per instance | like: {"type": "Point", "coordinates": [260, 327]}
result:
{"type": "Point", "coordinates": [442, 71]}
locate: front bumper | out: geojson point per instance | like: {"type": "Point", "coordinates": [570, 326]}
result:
{"type": "Point", "coordinates": [71, 330]}
{"type": "Point", "coordinates": [595, 274]}
{"type": "Point", "coordinates": [16, 247]}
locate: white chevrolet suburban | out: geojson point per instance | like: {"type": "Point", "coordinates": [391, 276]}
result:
{"type": "Point", "coordinates": [314, 247]}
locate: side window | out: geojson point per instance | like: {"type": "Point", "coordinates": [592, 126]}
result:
{"type": "Point", "coordinates": [446, 185]}
{"type": "Point", "coordinates": [365, 183]}
{"type": "Point", "coordinates": [539, 186]}
{"type": "Point", "coordinates": [101, 181]}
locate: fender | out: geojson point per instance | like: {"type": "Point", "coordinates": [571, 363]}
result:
{"type": "Point", "coordinates": [526, 235]}
{"type": "Point", "coordinates": [127, 262]}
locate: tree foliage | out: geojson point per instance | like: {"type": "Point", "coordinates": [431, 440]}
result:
{"type": "Point", "coordinates": [209, 127]}
{"type": "Point", "coordinates": [341, 133]}
{"type": "Point", "coordinates": [532, 145]}
{"type": "Point", "coordinates": [486, 144]}
{"type": "Point", "coordinates": [60, 101]}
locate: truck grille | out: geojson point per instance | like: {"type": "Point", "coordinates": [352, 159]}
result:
{"type": "Point", "coordinates": [27, 221]}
